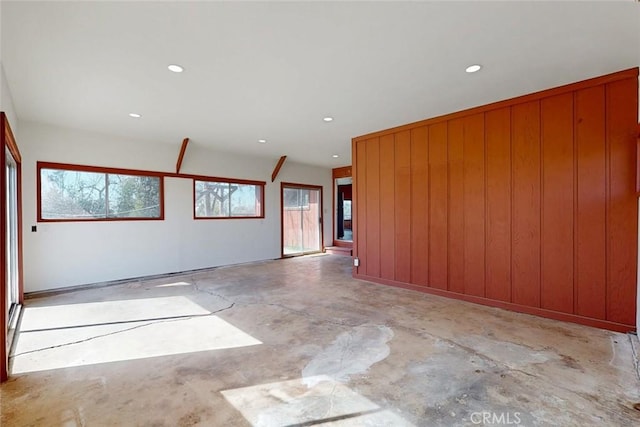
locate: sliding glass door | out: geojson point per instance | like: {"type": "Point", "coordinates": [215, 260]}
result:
{"type": "Point", "coordinates": [11, 241]}
{"type": "Point", "coordinates": [301, 219]}
{"type": "Point", "coordinates": [11, 262]}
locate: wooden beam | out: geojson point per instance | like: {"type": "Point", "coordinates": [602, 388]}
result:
{"type": "Point", "coordinates": [277, 168]}
{"type": "Point", "coordinates": [183, 149]}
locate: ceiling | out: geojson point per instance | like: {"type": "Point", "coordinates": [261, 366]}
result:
{"type": "Point", "coordinates": [272, 71]}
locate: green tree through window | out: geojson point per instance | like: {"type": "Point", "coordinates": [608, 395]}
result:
{"type": "Point", "coordinates": [81, 195]}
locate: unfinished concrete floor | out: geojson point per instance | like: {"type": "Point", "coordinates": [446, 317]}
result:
{"type": "Point", "coordinates": [299, 342]}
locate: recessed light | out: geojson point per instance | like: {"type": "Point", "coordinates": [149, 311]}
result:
{"type": "Point", "coordinates": [335, 156]}
{"type": "Point", "coordinates": [175, 68]}
{"type": "Point", "coordinates": [262, 141]}
{"type": "Point", "coordinates": [328, 119]}
{"type": "Point", "coordinates": [473, 68]}
{"type": "Point", "coordinates": [135, 115]}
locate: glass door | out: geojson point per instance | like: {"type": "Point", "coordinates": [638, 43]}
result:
{"type": "Point", "coordinates": [11, 176]}
{"type": "Point", "coordinates": [301, 219]}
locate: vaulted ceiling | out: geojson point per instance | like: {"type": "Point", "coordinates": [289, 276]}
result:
{"type": "Point", "coordinates": [266, 70]}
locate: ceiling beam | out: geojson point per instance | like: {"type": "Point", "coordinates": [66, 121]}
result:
{"type": "Point", "coordinates": [183, 150]}
{"type": "Point", "coordinates": [277, 168]}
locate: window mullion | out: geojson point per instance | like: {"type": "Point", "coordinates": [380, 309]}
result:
{"type": "Point", "coordinates": [106, 195]}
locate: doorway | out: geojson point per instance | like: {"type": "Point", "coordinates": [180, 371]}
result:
{"type": "Point", "coordinates": [301, 219]}
{"type": "Point", "coordinates": [343, 209]}
{"type": "Point", "coordinates": [344, 224]}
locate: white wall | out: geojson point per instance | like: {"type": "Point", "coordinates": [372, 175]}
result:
{"type": "Point", "coordinates": [68, 254]}
{"type": "Point", "coordinates": [6, 101]}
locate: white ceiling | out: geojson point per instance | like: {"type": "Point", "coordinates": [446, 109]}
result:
{"type": "Point", "coordinates": [274, 70]}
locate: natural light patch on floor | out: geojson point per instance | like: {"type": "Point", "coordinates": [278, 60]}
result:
{"type": "Point", "coordinates": [99, 313]}
{"type": "Point", "coordinates": [326, 403]}
{"type": "Point", "coordinates": [55, 339]}
{"type": "Point", "coordinates": [169, 285]}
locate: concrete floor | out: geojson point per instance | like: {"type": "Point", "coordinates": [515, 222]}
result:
{"type": "Point", "coordinates": [298, 342]}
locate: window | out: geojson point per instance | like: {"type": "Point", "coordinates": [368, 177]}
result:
{"type": "Point", "coordinates": [228, 199]}
{"type": "Point", "coordinates": [296, 199]}
{"type": "Point", "coordinates": [346, 209]}
{"type": "Point", "coordinates": [83, 193]}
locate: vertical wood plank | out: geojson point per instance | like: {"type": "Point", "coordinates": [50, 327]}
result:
{"type": "Point", "coordinates": [455, 133]}
{"type": "Point", "coordinates": [361, 205]}
{"type": "Point", "coordinates": [373, 207]}
{"type": "Point", "coordinates": [525, 136]}
{"type": "Point", "coordinates": [438, 187]}
{"type": "Point", "coordinates": [387, 207]}
{"type": "Point", "coordinates": [498, 140]}
{"type": "Point", "coordinates": [556, 123]}
{"type": "Point", "coordinates": [591, 203]}
{"type": "Point", "coordinates": [419, 206]}
{"type": "Point", "coordinates": [403, 206]}
{"type": "Point", "coordinates": [474, 205]}
{"type": "Point", "coordinates": [622, 212]}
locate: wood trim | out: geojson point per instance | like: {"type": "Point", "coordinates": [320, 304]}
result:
{"type": "Point", "coordinates": [217, 179]}
{"type": "Point", "coordinates": [7, 140]}
{"type": "Point", "coordinates": [550, 314]}
{"type": "Point", "coordinates": [304, 186]}
{"type": "Point", "coordinates": [20, 235]}
{"type": "Point", "coordinates": [334, 212]}
{"type": "Point", "coordinates": [336, 173]}
{"type": "Point", "coordinates": [4, 321]}
{"type": "Point", "coordinates": [260, 184]}
{"type": "Point", "coordinates": [276, 170]}
{"type": "Point", "coordinates": [282, 220]}
{"type": "Point", "coordinates": [135, 172]}
{"type": "Point", "coordinates": [321, 207]}
{"type": "Point", "coordinates": [343, 172]}
{"type": "Point", "coordinates": [638, 161]}
{"type": "Point", "coordinates": [97, 169]}
{"type": "Point", "coordinates": [608, 78]}
{"type": "Point", "coordinates": [183, 150]}
{"type": "Point", "coordinates": [94, 169]}
{"type": "Point", "coordinates": [343, 243]}
{"type": "Point", "coordinates": [142, 172]}
{"type": "Point", "coordinates": [354, 211]}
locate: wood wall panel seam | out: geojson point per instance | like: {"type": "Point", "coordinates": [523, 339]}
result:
{"type": "Point", "coordinates": [575, 205]}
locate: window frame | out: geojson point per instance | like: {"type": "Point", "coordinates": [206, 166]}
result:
{"type": "Point", "coordinates": [96, 169]}
{"type": "Point", "coordinates": [229, 181]}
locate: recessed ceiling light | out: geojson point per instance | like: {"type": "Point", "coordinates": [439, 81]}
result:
{"type": "Point", "coordinates": [135, 115]}
{"type": "Point", "coordinates": [473, 68]}
{"type": "Point", "coordinates": [328, 119]}
{"type": "Point", "coordinates": [262, 141]}
{"type": "Point", "coordinates": [175, 68]}
{"type": "Point", "coordinates": [335, 156]}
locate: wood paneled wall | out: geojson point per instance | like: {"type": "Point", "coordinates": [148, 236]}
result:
{"type": "Point", "coordinates": [528, 204]}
